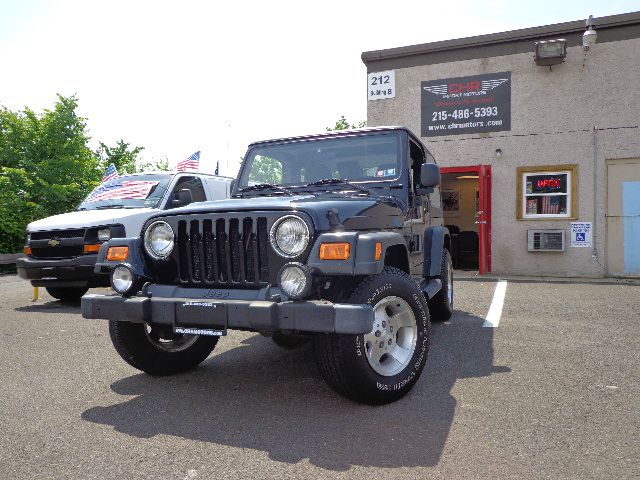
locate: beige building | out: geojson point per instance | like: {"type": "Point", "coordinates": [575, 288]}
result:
{"type": "Point", "coordinates": [538, 137]}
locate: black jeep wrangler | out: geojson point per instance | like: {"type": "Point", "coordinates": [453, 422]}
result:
{"type": "Point", "coordinates": [319, 242]}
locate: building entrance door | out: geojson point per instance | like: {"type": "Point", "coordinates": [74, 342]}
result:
{"type": "Point", "coordinates": [623, 217]}
{"type": "Point", "coordinates": [466, 198]}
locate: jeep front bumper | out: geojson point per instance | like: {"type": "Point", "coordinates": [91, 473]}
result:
{"type": "Point", "coordinates": [195, 308]}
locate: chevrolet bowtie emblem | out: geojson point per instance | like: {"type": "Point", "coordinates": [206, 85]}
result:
{"type": "Point", "coordinates": [53, 242]}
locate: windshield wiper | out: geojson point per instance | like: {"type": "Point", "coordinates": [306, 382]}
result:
{"type": "Point", "coordinates": [104, 207]}
{"type": "Point", "coordinates": [338, 181]}
{"type": "Point", "coordinates": [266, 186]}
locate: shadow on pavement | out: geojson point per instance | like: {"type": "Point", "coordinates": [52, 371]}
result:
{"type": "Point", "coordinates": [55, 306]}
{"type": "Point", "coordinates": [260, 397]}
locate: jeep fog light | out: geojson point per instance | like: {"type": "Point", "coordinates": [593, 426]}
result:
{"type": "Point", "coordinates": [294, 280]}
{"type": "Point", "coordinates": [122, 279]}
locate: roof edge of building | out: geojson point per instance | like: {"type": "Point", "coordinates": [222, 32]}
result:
{"type": "Point", "coordinates": [554, 30]}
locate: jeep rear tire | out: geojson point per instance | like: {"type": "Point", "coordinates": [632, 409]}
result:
{"type": "Point", "coordinates": [67, 294]}
{"type": "Point", "coordinates": [441, 305]}
{"type": "Point", "coordinates": [382, 366]}
{"type": "Point", "coordinates": [157, 351]}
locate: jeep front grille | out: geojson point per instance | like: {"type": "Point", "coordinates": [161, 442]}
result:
{"type": "Point", "coordinates": [223, 251]}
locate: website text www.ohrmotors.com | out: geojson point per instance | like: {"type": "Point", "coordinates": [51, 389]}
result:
{"type": "Point", "coordinates": [454, 126]}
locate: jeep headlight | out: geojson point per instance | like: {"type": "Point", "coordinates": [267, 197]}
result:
{"type": "Point", "coordinates": [290, 236]}
{"type": "Point", "coordinates": [159, 240]}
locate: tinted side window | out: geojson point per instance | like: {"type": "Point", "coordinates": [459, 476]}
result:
{"type": "Point", "coordinates": [191, 183]}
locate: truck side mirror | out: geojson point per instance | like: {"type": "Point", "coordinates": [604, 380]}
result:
{"type": "Point", "coordinates": [429, 175]}
{"type": "Point", "coordinates": [181, 198]}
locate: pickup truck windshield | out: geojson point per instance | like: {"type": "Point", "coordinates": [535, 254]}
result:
{"type": "Point", "coordinates": [129, 191]}
{"type": "Point", "coordinates": [369, 158]}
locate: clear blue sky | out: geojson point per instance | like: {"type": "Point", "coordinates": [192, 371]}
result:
{"type": "Point", "coordinates": [176, 77]}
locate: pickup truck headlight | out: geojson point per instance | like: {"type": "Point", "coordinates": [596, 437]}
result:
{"type": "Point", "coordinates": [159, 240]}
{"type": "Point", "coordinates": [104, 234]}
{"type": "Point", "coordinates": [290, 236]}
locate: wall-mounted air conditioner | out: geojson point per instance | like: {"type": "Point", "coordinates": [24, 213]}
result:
{"type": "Point", "coordinates": [545, 240]}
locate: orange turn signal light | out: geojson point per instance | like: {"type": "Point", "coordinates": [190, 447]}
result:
{"type": "Point", "coordinates": [27, 250]}
{"type": "Point", "coordinates": [117, 253]}
{"type": "Point", "coordinates": [91, 248]}
{"type": "Point", "coordinates": [378, 250]}
{"type": "Point", "coordinates": [335, 251]}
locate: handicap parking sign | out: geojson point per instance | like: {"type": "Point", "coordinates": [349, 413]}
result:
{"type": "Point", "coordinates": [580, 234]}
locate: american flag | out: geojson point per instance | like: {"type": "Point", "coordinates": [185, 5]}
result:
{"type": "Point", "coordinates": [110, 173]}
{"type": "Point", "coordinates": [124, 189]}
{"type": "Point", "coordinates": [190, 162]}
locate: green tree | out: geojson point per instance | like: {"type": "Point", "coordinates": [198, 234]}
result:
{"type": "Point", "coordinates": [46, 166]}
{"type": "Point", "coordinates": [161, 164]}
{"type": "Point", "coordinates": [265, 170]}
{"type": "Point", "coordinates": [123, 157]}
{"type": "Point", "coordinates": [343, 124]}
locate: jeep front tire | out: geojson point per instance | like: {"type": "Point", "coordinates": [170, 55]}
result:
{"type": "Point", "coordinates": [157, 350]}
{"type": "Point", "coordinates": [383, 365]}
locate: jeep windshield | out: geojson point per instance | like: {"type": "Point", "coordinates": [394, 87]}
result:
{"type": "Point", "coordinates": [129, 191]}
{"type": "Point", "coordinates": [312, 164]}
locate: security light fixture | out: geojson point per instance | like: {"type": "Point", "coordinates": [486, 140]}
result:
{"type": "Point", "coordinates": [550, 52]}
{"type": "Point", "coordinates": [498, 152]}
{"type": "Point", "coordinates": [590, 36]}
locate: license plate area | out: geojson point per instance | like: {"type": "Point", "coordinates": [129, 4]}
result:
{"type": "Point", "coordinates": [201, 318]}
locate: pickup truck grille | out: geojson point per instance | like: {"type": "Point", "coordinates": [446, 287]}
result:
{"type": "Point", "coordinates": [228, 251]}
{"type": "Point", "coordinates": [57, 244]}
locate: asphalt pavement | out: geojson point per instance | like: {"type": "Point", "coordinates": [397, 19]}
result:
{"type": "Point", "coordinates": [552, 392]}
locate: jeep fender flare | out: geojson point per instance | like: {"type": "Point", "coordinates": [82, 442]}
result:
{"type": "Point", "coordinates": [436, 239]}
{"type": "Point", "coordinates": [135, 259]}
{"type": "Point", "coordinates": [362, 247]}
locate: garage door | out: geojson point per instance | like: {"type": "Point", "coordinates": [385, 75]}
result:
{"type": "Point", "coordinates": [623, 217]}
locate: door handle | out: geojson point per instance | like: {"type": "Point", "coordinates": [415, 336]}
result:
{"type": "Point", "coordinates": [483, 222]}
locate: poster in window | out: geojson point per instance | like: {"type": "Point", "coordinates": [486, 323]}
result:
{"type": "Point", "coordinates": [451, 202]}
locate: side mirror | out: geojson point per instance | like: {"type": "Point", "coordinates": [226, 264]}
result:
{"type": "Point", "coordinates": [429, 175]}
{"type": "Point", "coordinates": [181, 198]}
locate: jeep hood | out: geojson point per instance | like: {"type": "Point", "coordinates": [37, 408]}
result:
{"type": "Point", "coordinates": [354, 212]}
{"type": "Point", "coordinates": [90, 218]}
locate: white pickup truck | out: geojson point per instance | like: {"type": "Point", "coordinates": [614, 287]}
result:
{"type": "Point", "coordinates": [61, 250]}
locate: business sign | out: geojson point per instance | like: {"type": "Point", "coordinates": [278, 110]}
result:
{"type": "Point", "coordinates": [381, 85]}
{"type": "Point", "coordinates": [456, 106]}
{"type": "Point", "coordinates": [581, 234]}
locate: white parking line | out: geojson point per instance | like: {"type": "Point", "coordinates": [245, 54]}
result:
{"type": "Point", "coordinates": [495, 310]}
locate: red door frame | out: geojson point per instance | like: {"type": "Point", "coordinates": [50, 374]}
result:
{"type": "Point", "coordinates": [484, 211]}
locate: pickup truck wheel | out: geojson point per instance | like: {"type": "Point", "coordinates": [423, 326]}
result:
{"type": "Point", "coordinates": [67, 294]}
{"type": "Point", "coordinates": [383, 365]}
{"type": "Point", "coordinates": [159, 351]}
{"type": "Point", "coordinates": [288, 342]}
{"type": "Point", "coordinates": [441, 305]}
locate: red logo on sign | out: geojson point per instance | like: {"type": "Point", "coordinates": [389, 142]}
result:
{"type": "Point", "coordinates": [473, 86]}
